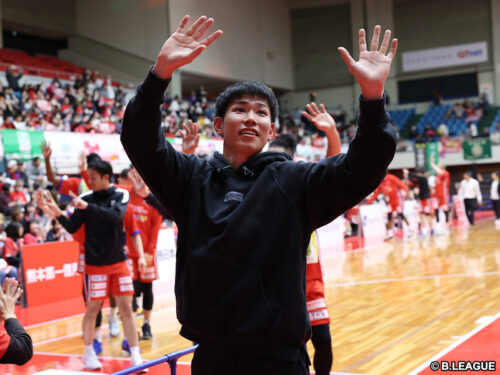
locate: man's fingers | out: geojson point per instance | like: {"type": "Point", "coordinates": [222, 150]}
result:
{"type": "Point", "coordinates": [316, 110]}
{"type": "Point", "coordinates": [183, 24]}
{"type": "Point", "coordinates": [307, 115]}
{"type": "Point", "coordinates": [375, 38]}
{"type": "Point", "coordinates": [323, 109]}
{"type": "Point", "coordinates": [211, 38]}
{"type": "Point", "coordinates": [197, 52]}
{"type": "Point", "coordinates": [203, 29]}
{"type": "Point", "coordinates": [195, 26]}
{"type": "Point", "coordinates": [394, 48]}
{"type": "Point", "coordinates": [72, 195]}
{"type": "Point", "coordinates": [347, 57]}
{"type": "Point", "coordinates": [385, 41]}
{"type": "Point", "coordinates": [362, 40]}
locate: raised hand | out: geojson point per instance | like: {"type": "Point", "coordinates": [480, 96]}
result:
{"type": "Point", "coordinates": [372, 69]}
{"type": "Point", "coordinates": [140, 187]}
{"type": "Point", "coordinates": [46, 150]}
{"type": "Point", "coordinates": [190, 137]}
{"type": "Point", "coordinates": [82, 161]}
{"type": "Point", "coordinates": [9, 294]}
{"type": "Point", "coordinates": [78, 202]}
{"type": "Point", "coordinates": [184, 46]}
{"type": "Point", "coordinates": [321, 119]}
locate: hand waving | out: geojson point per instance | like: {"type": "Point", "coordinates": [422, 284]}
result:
{"type": "Point", "coordinates": [321, 119]}
{"type": "Point", "coordinates": [184, 46]}
{"type": "Point", "coordinates": [372, 69]}
{"type": "Point", "coordinates": [140, 187]}
{"type": "Point", "coordinates": [46, 150]}
{"type": "Point", "coordinates": [9, 294]}
{"type": "Point", "coordinates": [190, 137]}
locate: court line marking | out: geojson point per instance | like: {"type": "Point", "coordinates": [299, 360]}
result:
{"type": "Point", "coordinates": [382, 281]}
{"type": "Point", "coordinates": [445, 351]}
{"type": "Point", "coordinates": [48, 341]}
{"type": "Point", "coordinates": [179, 362]}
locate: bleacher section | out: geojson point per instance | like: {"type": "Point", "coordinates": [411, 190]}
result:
{"type": "Point", "coordinates": [435, 116]}
{"type": "Point", "coordinates": [401, 117]}
{"type": "Point", "coordinates": [39, 65]}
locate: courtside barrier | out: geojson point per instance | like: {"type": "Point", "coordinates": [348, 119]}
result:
{"type": "Point", "coordinates": [171, 358]}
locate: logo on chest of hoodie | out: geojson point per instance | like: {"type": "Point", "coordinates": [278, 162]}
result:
{"type": "Point", "coordinates": [233, 196]}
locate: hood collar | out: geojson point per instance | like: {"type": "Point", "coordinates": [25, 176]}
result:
{"type": "Point", "coordinates": [252, 167]}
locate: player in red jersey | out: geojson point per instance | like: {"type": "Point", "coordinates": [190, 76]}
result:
{"type": "Point", "coordinates": [392, 187]}
{"type": "Point", "coordinates": [441, 191]}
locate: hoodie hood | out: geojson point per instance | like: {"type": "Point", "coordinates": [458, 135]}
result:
{"type": "Point", "coordinates": [252, 167]}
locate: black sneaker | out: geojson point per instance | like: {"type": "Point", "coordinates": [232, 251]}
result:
{"type": "Point", "coordinates": [146, 332]}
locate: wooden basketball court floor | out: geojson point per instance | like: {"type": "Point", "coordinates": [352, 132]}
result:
{"type": "Point", "coordinates": [394, 306]}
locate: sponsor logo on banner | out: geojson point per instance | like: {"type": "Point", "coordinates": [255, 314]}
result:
{"type": "Point", "coordinates": [443, 57]}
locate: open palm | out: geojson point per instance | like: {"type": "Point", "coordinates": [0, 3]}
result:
{"type": "Point", "coordinates": [373, 67]}
{"type": "Point", "coordinates": [184, 46]}
{"type": "Point", "coordinates": [321, 119]}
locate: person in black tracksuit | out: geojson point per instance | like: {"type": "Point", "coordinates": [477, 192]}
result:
{"type": "Point", "coordinates": [245, 218]}
{"type": "Point", "coordinates": [102, 210]}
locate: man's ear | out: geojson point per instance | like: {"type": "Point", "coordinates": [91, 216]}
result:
{"type": "Point", "coordinates": [218, 126]}
{"type": "Point", "coordinates": [272, 132]}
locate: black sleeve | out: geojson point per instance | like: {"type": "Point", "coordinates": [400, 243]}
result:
{"type": "Point", "coordinates": [20, 349]}
{"type": "Point", "coordinates": [167, 172]}
{"type": "Point", "coordinates": [156, 204]}
{"type": "Point", "coordinates": [337, 183]}
{"type": "Point", "coordinates": [14, 261]}
{"type": "Point", "coordinates": [74, 222]}
{"type": "Point", "coordinates": [114, 213]}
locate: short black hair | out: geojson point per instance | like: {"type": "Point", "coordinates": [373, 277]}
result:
{"type": "Point", "coordinates": [6, 187]}
{"type": "Point", "coordinates": [287, 141]}
{"type": "Point", "coordinates": [12, 230]}
{"type": "Point", "coordinates": [124, 173]}
{"type": "Point", "coordinates": [240, 89]}
{"type": "Point", "coordinates": [91, 157]}
{"type": "Point", "coordinates": [102, 167]}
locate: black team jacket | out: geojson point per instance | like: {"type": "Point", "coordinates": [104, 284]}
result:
{"type": "Point", "coordinates": [103, 219]}
{"type": "Point", "coordinates": [243, 233]}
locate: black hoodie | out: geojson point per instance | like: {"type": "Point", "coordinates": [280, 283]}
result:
{"type": "Point", "coordinates": [243, 233]}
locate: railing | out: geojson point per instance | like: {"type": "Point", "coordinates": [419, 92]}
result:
{"type": "Point", "coordinates": [171, 358]}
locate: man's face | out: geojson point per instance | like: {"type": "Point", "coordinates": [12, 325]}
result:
{"type": "Point", "coordinates": [246, 126]}
{"type": "Point", "coordinates": [98, 182]}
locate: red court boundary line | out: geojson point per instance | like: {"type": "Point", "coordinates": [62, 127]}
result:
{"type": "Point", "coordinates": [474, 346]}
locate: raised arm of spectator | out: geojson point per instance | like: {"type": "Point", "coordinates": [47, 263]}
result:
{"type": "Point", "coordinates": [82, 165]}
{"type": "Point", "coordinates": [142, 136]}
{"type": "Point", "coordinates": [51, 176]}
{"type": "Point", "coordinates": [15, 344]}
{"type": "Point", "coordinates": [324, 122]}
{"type": "Point", "coordinates": [435, 166]}
{"type": "Point", "coordinates": [190, 137]}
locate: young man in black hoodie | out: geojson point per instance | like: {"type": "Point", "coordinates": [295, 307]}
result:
{"type": "Point", "coordinates": [245, 217]}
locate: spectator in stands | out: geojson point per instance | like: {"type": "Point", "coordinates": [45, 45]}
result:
{"type": "Point", "coordinates": [35, 171]}
{"type": "Point", "coordinates": [472, 130]}
{"type": "Point", "coordinates": [486, 133]}
{"type": "Point", "coordinates": [13, 75]}
{"type": "Point", "coordinates": [413, 132]}
{"type": "Point", "coordinates": [5, 199]}
{"type": "Point", "coordinates": [443, 130]}
{"type": "Point", "coordinates": [34, 233]}
{"type": "Point", "coordinates": [12, 170]}
{"type": "Point", "coordinates": [21, 172]}
{"type": "Point", "coordinates": [57, 232]}
{"type": "Point", "coordinates": [495, 137]}
{"type": "Point", "coordinates": [429, 131]}
{"type": "Point", "coordinates": [18, 215]}
{"type": "Point", "coordinates": [19, 194]}
{"type": "Point", "coordinates": [12, 248]}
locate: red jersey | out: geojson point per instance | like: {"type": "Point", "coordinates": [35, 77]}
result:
{"type": "Point", "coordinates": [390, 187]}
{"type": "Point", "coordinates": [131, 229]}
{"type": "Point", "coordinates": [10, 249]}
{"type": "Point", "coordinates": [76, 185]}
{"type": "Point", "coordinates": [149, 221]}
{"type": "Point", "coordinates": [442, 187]}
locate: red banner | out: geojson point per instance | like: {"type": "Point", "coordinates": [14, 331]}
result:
{"type": "Point", "coordinates": [450, 146]}
{"type": "Point", "coordinates": [50, 272]}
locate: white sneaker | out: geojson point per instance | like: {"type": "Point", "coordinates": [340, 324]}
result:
{"type": "Point", "coordinates": [90, 362]}
{"type": "Point", "coordinates": [114, 328]}
{"type": "Point", "coordinates": [136, 359]}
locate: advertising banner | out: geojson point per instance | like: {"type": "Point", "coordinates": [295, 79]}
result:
{"type": "Point", "coordinates": [443, 57]}
{"type": "Point", "coordinates": [50, 272]}
{"type": "Point", "coordinates": [22, 144]}
{"type": "Point", "coordinates": [475, 149]}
